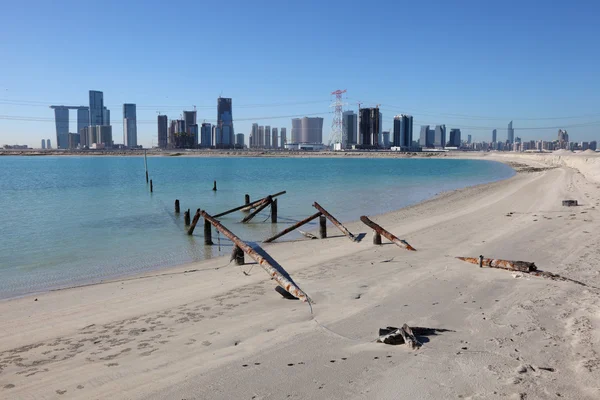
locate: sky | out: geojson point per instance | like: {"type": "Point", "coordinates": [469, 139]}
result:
{"type": "Point", "coordinates": [473, 65]}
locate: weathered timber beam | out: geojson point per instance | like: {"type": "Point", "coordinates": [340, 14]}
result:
{"type": "Point", "coordinates": [293, 227]}
{"type": "Point", "coordinates": [522, 266]}
{"type": "Point", "coordinates": [276, 275]}
{"type": "Point", "coordinates": [268, 200]}
{"type": "Point", "coordinates": [389, 236]}
{"type": "Point", "coordinates": [334, 221]}
{"type": "Point", "coordinates": [250, 205]}
{"type": "Point", "coordinates": [194, 222]}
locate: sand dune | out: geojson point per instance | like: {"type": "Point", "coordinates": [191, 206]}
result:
{"type": "Point", "coordinates": [216, 333]}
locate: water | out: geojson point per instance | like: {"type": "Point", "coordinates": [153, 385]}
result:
{"type": "Point", "coordinates": [66, 221]}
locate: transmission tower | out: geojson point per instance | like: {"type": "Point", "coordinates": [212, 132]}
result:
{"type": "Point", "coordinates": [338, 133]}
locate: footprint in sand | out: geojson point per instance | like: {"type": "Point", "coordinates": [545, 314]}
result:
{"type": "Point", "coordinates": [9, 386]}
{"type": "Point", "coordinates": [61, 391]}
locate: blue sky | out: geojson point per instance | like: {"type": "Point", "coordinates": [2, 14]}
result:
{"type": "Point", "coordinates": [468, 64]}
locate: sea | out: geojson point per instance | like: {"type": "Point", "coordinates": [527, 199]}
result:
{"type": "Point", "coordinates": [68, 221]}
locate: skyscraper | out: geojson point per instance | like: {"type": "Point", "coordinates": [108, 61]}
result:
{"type": "Point", "coordinates": [368, 126]}
{"type": "Point", "coordinates": [468, 139]}
{"type": "Point", "coordinates": [96, 107]}
{"type": "Point", "coordinates": [61, 119]}
{"type": "Point", "coordinates": [454, 138]}
{"type": "Point", "coordinates": [105, 116]}
{"type": "Point", "coordinates": [239, 140]}
{"type": "Point", "coordinates": [511, 133]}
{"type": "Point", "coordinates": [350, 121]}
{"type": "Point", "coordinates": [43, 144]}
{"type": "Point", "coordinates": [163, 129]}
{"type": "Point", "coordinates": [283, 140]}
{"type": "Point", "coordinates": [307, 130]}
{"type": "Point", "coordinates": [225, 132]}
{"type": "Point", "coordinates": [171, 141]}
{"type": "Point", "coordinates": [267, 136]}
{"type": "Point", "coordinates": [494, 137]}
{"type": "Point", "coordinates": [426, 139]}
{"type": "Point", "coordinates": [205, 135]}
{"type": "Point", "coordinates": [189, 117]}
{"type": "Point", "coordinates": [274, 141]}
{"type": "Point", "coordinates": [83, 118]}
{"type": "Point", "coordinates": [439, 140]}
{"type": "Point", "coordinates": [253, 143]}
{"type": "Point", "coordinates": [129, 125]}
{"type": "Point", "coordinates": [48, 144]}
{"type": "Point", "coordinates": [403, 131]}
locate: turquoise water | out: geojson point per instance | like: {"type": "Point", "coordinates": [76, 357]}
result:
{"type": "Point", "coordinates": [72, 220]}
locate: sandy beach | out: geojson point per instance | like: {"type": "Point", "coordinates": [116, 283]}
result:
{"type": "Point", "coordinates": [212, 330]}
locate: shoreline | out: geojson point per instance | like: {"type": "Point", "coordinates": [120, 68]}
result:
{"type": "Point", "coordinates": [216, 333]}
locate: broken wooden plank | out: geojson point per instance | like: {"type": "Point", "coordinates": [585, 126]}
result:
{"type": "Point", "coordinates": [389, 236]}
{"type": "Point", "coordinates": [266, 202]}
{"type": "Point", "coordinates": [251, 205]}
{"type": "Point", "coordinates": [334, 221]}
{"type": "Point", "coordinates": [522, 266]}
{"type": "Point", "coordinates": [293, 227]}
{"type": "Point", "coordinates": [284, 282]}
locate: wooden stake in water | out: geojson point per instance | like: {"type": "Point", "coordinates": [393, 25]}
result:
{"type": "Point", "coordinates": [146, 165]}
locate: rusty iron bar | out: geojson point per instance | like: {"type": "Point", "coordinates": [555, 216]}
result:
{"type": "Point", "coordinates": [293, 227]}
{"type": "Point", "coordinates": [151, 187]}
{"type": "Point", "coordinates": [274, 211]}
{"type": "Point", "coordinates": [521, 266]}
{"type": "Point", "coordinates": [276, 275]}
{"type": "Point", "coordinates": [251, 205]}
{"type": "Point", "coordinates": [268, 200]}
{"type": "Point", "coordinates": [186, 217]}
{"type": "Point", "coordinates": [335, 221]}
{"type": "Point", "coordinates": [177, 206]}
{"type": "Point", "coordinates": [194, 222]}
{"type": "Point", "coordinates": [392, 238]}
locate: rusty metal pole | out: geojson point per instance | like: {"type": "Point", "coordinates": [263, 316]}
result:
{"type": "Point", "coordinates": [237, 255]}
{"type": "Point", "coordinates": [392, 238]}
{"type": "Point", "coordinates": [522, 266]}
{"type": "Point", "coordinates": [250, 205]}
{"type": "Point", "coordinates": [335, 222]}
{"type": "Point", "coordinates": [207, 233]}
{"type": "Point", "coordinates": [247, 199]}
{"type": "Point", "coordinates": [480, 261]}
{"type": "Point", "coordinates": [215, 186]}
{"type": "Point", "coordinates": [194, 222]}
{"type": "Point", "coordinates": [276, 275]}
{"type": "Point", "coordinates": [322, 227]}
{"type": "Point", "coordinates": [186, 217]}
{"type": "Point", "coordinates": [376, 238]}
{"type": "Point", "coordinates": [177, 206]}
{"type": "Point", "coordinates": [274, 211]}
{"type": "Point", "coordinates": [151, 188]}
{"type": "Point", "coordinates": [293, 227]}
{"type": "Point", "coordinates": [253, 214]}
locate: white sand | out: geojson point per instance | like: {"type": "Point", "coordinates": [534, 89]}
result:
{"type": "Point", "coordinates": [219, 334]}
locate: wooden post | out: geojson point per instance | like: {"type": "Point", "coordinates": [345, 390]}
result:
{"type": "Point", "coordinates": [247, 199]}
{"type": "Point", "coordinates": [291, 228]}
{"type": "Point", "coordinates": [335, 222]}
{"type": "Point", "coordinates": [194, 222]}
{"type": "Point", "coordinates": [176, 206]}
{"type": "Point", "coordinates": [215, 186]}
{"type": "Point", "coordinates": [146, 176]}
{"type": "Point", "coordinates": [392, 238]}
{"type": "Point", "coordinates": [322, 227]}
{"type": "Point", "coordinates": [207, 233]}
{"type": "Point", "coordinates": [251, 205]}
{"type": "Point", "coordinates": [274, 211]}
{"type": "Point", "coordinates": [268, 200]}
{"type": "Point", "coordinates": [237, 254]}
{"type": "Point", "coordinates": [480, 261]}
{"type": "Point", "coordinates": [151, 188]}
{"type": "Point", "coordinates": [186, 218]}
{"type": "Point", "coordinates": [284, 282]}
{"type": "Point", "coordinates": [146, 165]}
{"type": "Point", "coordinates": [376, 238]}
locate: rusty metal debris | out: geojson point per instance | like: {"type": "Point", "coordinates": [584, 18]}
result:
{"type": "Point", "coordinates": [293, 227]}
{"type": "Point", "coordinates": [250, 205]}
{"type": "Point", "coordinates": [389, 236]}
{"type": "Point", "coordinates": [395, 336]}
{"type": "Point", "coordinates": [263, 204]}
{"type": "Point", "coordinates": [334, 221]}
{"type": "Point", "coordinates": [284, 282]}
{"type": "Point", "coordinates": [522, 266]}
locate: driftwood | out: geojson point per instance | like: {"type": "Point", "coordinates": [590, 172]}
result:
{"type": "Point", "coordinates": [391, 335]}
{"type": "Point", "coordinates": [251, 205]}
{"type": "Point", "coordinates": [194, 222]}
{"type": "Point", "coordinates": [392, 238]}
{"type": "Point", "coordinates": [283, 281]}
{"type": "Point", "coordinates": [264, 204]}
{"type": "Point", "coordinates": [569, 203]}
{"type": "Point", "coordinates": [335, 222]}
{"type": "Point", "coordinates": [293, 227]}
{"type": "Point", "coordinates": [521, 266]}
{"type": "Point", "coordinates": [308, 235]}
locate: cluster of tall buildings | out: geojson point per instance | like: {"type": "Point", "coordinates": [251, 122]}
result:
{"type": "Point", "coordinates": [265, 137]}
{"type": "Point", "coordinates": [94, 129]}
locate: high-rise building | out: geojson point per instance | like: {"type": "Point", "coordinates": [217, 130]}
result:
{"type": "Point", "coordinates": [163, 131]}
{"type": "Point", "coordinates": [350, 122]}
{"type": "Point", "coordinates": [206, 135]}
{"type": "Point", "coordinates": [369, 127]}
{"type": "Point", "coordinates": [403, 131]}
{"type": "Point", "coordinates": [43, 144]}
{"type": "Point", "coordinates": [267, 137]}
{"type": "Point", "coordinates": [494, 137]}
{"type": "Point", "coordinates": [172, 134]}
{"type": "Point", "coordinates": [96, 107]}
{"type": "Point", "coordinates": [274, 139]}
{"type": "Point", "coordinates": [427, 137]}
{"type": "Point", "coordinates": [225, 133]}
{"type": "Point", "coordinates": [239, 140]}
{"type": "Point", "coordinates": [307, 130]}
{"type": "Point", "coordinates": [74, 140]}
{"type": "Point", "coordinates": [83, 118]}
{"type": "Point", "coordinates": [439, 140]}
{"type": "Point", "coordinates": [261, 137]}
{"type": "Point", "coordinates": [189, 117]}
{"type": "Point", "coordinates": [468, 139]}
{"type": "Point", "coordinates": [385, 136]}
{"type": "Point", "coordinates": [129, 125]}
{"type": "Point", "coordinates": [61, 119]}
{"type": "Point", "coordinates": [48, 144]}
{"type": "Point", "coordinates": [454, 138]}
{"type": "Point", "coordinates": [510, 133]}
{"type": "Point", "coordinates": [283, 140]}
{"type": "Point", "coordinates": [593, 145]}
{"type": "Point", "coordinates": [213, 135]}
{"type": "Point", "coordinates": [192, 136]}
{"type": "Point", "coordinates": [105, 116]}
{"type": "Point", "coordinates": [100, 134]}
{"type": "Point", "coordinates": [253, 142]}
{"type": "Point", "coordinates": [563, 138]}
{"type": "Point", "coordinates": [380, 136]}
